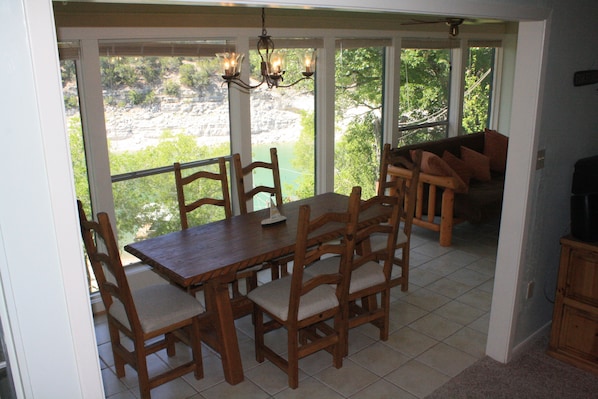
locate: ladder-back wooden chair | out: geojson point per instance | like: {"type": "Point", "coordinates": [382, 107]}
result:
{"type": "Point", "coordinates": [370, 271]}
{"type": "Point", "coordinates": [160, 310]}
{"type": "Point", "coordinates": [208, 191]}
{"type": "Point", "coordinates": [246, 194]}
{"type": "Point", "coordinates": [303, 305]}
{"type": "Point", "coordinates": [389, 173]}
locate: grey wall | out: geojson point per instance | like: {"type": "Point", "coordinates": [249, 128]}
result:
{"type": "Point", "coordinates": [568, 131]}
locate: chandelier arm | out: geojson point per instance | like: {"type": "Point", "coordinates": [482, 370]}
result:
{"type": "Point", "coordinates": [244, 85]}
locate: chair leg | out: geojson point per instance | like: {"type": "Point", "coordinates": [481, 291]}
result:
{"type": "Point", "coordinates": [170, 344]}
{"type": "Point", "coordinates": [293, 357]}
{"type": "Point", "coordinates": [119, 362]}
{"type": "Point", "coordinates": [405, 268]}
{"type": "Point", "coordinates": [385, 303]}
{"type": "Point", "coordinates": [258, 328]}
{"type": "Point", "coordinates": [196, 348]}
{"type": "Point", "coordinates": [142, 372]}
{"type": "Point", "coordinates": [341, 348]}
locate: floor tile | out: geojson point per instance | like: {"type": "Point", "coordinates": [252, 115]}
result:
{"type": "Point", "coordinates": [449, 288]}
{"type": "Point", "coordinates": [417, 378]}
{"type": "Point", "coordinates": [446, 359]}
{"type": "Point", "coordinates": [309, 388]}
{"type": "Point", "coordinates": [379, 359]}
{"type": "Point", "coordinates": [382, 389]}
{"type": "Point", "coordinates": [245, 390]}
{"type": "Point", "coordinates": [459, 312]}
{"type": "Point", "coordinates": [435, 326]}
{"type": "Point", "coordinates": [349, 379]}
{"type": "Point", "coordinates": [426, 299]}
{"type": "Point", "coordinates": [410, 342]}
{"type": "Point", "coordinates": [270, 378]}
{"type": "Point", "coordinates": [469, 341]}
{"type": "Point", "coordinates": [477, 298]}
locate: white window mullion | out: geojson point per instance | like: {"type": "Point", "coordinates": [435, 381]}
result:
{"type": "Point", "coordinates": [457, 84]}
{"type": "Point", "coordinates": [325, 117]}
{"type": "Point", "coordinates": [89, 82]}
{"type": "Point", "coordinates": [240, 117]}
{"type": "Point", "coordinates": [392, 85]}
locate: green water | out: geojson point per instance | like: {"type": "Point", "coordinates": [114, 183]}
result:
{"type": "Point", "coordinates": [288, 174]}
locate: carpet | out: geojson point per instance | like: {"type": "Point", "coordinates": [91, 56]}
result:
{"type": "Point", "coordinates": [533, 374]}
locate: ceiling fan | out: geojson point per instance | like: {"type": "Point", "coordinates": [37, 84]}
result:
{"type": "Point", "coordinates": [452, 23]}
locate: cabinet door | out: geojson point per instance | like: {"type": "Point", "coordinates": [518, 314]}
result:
{"type": "Point", "coordinates": [578, 333]}
{"type": "Point", "coordinates": [582, 277]}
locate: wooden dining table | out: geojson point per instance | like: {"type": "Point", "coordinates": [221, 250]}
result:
{"type": "Point", "coordinates": [213, 253]}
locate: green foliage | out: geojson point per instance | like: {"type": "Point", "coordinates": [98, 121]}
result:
{"type": "Point", "coordinates": [118, 71]}
{"type": "Point", "coordinates": [193, 77]}
{"type": "Point", "coordinates": [67, 71]}
{"type": "Point", "coordinates": [150, 68]}
{"type": "Point", "coordinates": [148, 206]}
{"type": "Point", "coordinates": [172, 88]}
{"type": "Point", "coordinates": [425, 78]}
{"type": "Point", "coordinates": [478, 86]}
{"type": "Point", "coordinates": [71, 101]}
{"type": "Point", "coordinates": [357, 157]}
{"type": "Point", "coordinates": [303, 160]}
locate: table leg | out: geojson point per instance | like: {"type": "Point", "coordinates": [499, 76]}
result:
{"type": "Point", "coordinates": [218, 303]}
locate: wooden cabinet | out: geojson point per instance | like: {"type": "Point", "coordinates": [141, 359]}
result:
{"type": "Point", "coordinates": [574, 336]}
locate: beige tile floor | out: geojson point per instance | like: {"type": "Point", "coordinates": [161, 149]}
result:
{"type": "Point", "coordinates": [438, 328]}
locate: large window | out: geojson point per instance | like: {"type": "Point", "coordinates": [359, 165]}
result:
{"type": "Point", "coordinates": [359, 80]}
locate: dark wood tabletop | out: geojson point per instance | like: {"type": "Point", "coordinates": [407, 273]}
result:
{"type": "Point", "coordinates": [221, 248]}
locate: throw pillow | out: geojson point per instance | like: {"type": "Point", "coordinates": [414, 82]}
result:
{"type": "Point", "coordinates": [480, 163]}
{"type": "Point", "coordinates": [464, 171]}
{"type": "Point", "coordinates": [432, 164]}
{"type": "Point", "coordinates": [495, 148]}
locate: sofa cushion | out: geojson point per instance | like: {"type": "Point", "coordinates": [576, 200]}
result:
{"type": "Point", "coordinates": [432, 164]}
{"type": "Point", "coordinates": [495, 148]}
{"type": "Point", "coordinates": [464, 171]}
{"type": "Point", "coordinates": [480, 163]}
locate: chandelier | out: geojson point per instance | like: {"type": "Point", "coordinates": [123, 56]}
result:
{"type": "Point", "coordinates": [272, 64]}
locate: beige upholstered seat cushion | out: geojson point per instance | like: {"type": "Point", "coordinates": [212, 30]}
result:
{"type": "Point", "coordinates": [159, 306]}
{"type": "Point", "coordinates": [274, 297]}
{"type": "Point", "coordinates": [378, 241]}
{"type": "Point", "coordinates": [365, 276]}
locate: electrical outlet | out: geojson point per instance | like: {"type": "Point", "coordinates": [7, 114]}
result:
{"type": "Point", "coordinates": [530, 290]}
{"type": "Point", "coordinates": [540, 159]}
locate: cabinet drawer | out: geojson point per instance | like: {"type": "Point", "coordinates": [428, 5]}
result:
{"type": "Point", "coordinates": [582, 277]}
{"type": "Point", "coordinates": [579, 333]}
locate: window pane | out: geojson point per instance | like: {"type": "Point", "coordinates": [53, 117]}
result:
{"type": "Point", "coordinates": [284, 118]}
{"type": "Point", "coordinates": [479, 79]}
{"type": "Point", "coordinates": [359, 87]}
{"type": "Point", "coordinates": [159, 110]}
{"type": "Point", "coordinates": [75, 132]}
{"type": "Point", "coordinates": [425, 84]}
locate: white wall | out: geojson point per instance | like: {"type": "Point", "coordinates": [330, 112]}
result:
{"type": "Point", "coordinates": [45, 308]}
